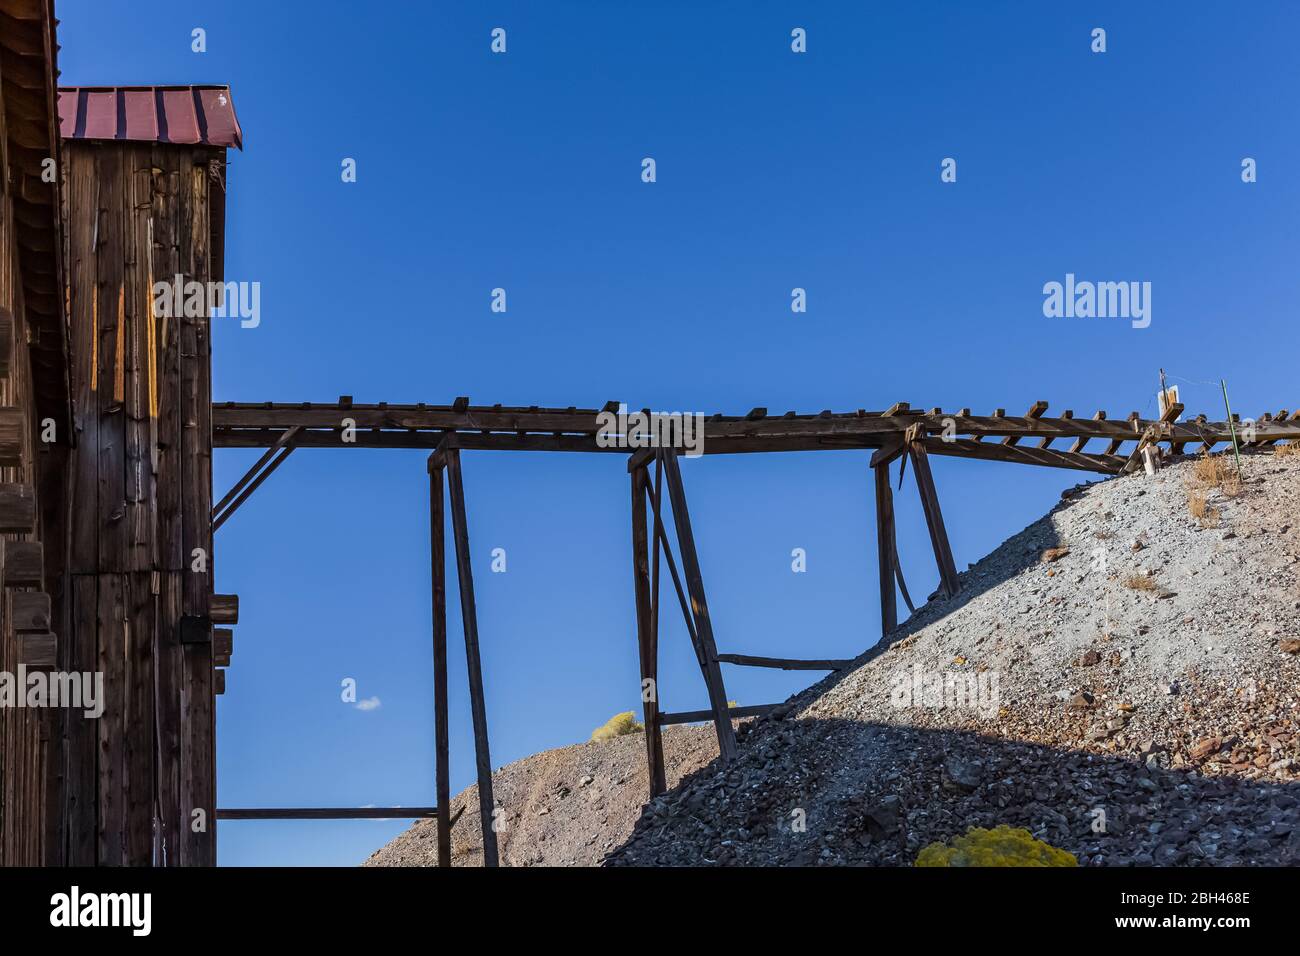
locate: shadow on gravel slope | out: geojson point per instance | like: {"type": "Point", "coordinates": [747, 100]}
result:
{"type": "Point", "coordinates": [839, 792]}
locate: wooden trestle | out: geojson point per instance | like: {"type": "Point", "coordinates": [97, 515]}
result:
{"type": "Point", "coordinates": [895, 434]}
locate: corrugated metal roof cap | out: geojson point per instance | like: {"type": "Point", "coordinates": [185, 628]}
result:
{"type": "Point", "coordinates": [159, 114]}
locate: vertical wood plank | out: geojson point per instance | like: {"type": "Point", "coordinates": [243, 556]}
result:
{"type": "Point", "coordinates": [885, 538]}
{"type": "Point", "coordinates": [699, 608]}
{"type": "Point", "coordinates": [469, 619]}
{"type": "Point", "coordinates": [438, 567]}
{"type": "Point", "coordinates": [934, 518]}
{"type": "Point", "coordinates": [646, 646]}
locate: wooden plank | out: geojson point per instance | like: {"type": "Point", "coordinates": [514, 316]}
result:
{"type": "Point", "coordinates": [219, 681]}
{"type": "Point", "coordinates": [82, 733]}
{"type": "Point", "coordinates": [29, 611]}
{"type": "Point", "coordinates": [223, 646]}
{"type": "Point", "coordinates": [1037, 410]}
{"type": "Point", "coordinates": [469, 619]}
{"type": "Point", "coordinates": [438, 572]}
{"type": "Point", "coordinates": [885, 548]}
{"type": "Point", "coordinates": [330, 813]}
{"type": "Point", "coordinates": [38, 651]}
{"type": "Point", "coordinates": [699, 607]}
{"type": "Point", "coordinates": [699, 716]}
{"type": "Point", "coordinates": [1045, 457]}
{"type": "Point", "coordinates": [111, 626]}
{"type": "Point", "coordinates": [784, 663]}
{"type": "Point", "coordinates": [224, 608]}
{"type": "Point", "coordinates": [139, 748]}
{"type": "Point", "coordinates": [1065, 415]}
{"type": "Point", "coordinates": [934, 518]}
{"type": "Point", "coordinates": [17, 509]}
{"type": "Point", "coordinates": [646, 638]}
{"type": "Point", "coordinates": [24, 563]}
{"type": "Point", "coordinates": [13, 432]}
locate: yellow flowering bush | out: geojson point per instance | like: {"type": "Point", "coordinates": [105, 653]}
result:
{"type": "Point", "coordinates": [1001, 846]}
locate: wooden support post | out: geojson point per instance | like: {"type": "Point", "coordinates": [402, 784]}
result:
{"type": "Point", "coordinates": [647, 639]}
{"type": "Point", "coordinates": [885, 550]}
{"type": "Point", "coordinates": [469, 619]}
{"type": "Point", "coordinates": [438, 568]}
{"type": "Point", "coordinates": [933, 517]}
{"type": "Point", "coordinates": [700, 608]}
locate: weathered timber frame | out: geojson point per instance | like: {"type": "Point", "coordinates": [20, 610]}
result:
{"type": "Point", "coordinates": [896, 434]}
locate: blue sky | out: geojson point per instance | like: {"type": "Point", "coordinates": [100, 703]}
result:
{"type": "Point", "coordinates": [775, 170]}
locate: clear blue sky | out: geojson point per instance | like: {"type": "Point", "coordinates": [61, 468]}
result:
{"type": "Point", "coordinates": [775, 170]}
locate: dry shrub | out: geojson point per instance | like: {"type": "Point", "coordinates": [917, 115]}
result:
{"type": "Point", "coordinates": [1288, 450]}
{"type": "Point", "coordinates": [617, 726]}
{"type": "Point", "coordinates": [1140, 582]}
{"type": "Point", "coordinates": [1201, 509]}
{"type": "Point", "coordinates": [1211, 470]}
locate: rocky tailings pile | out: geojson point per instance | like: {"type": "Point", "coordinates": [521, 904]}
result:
{"type": "Point", "coordinates": [1120, 678]}
{"type": "Point", "coordinates": [566, 807]}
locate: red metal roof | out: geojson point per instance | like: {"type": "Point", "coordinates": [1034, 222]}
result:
{"type": "Point", "coordinates": [158, 114]}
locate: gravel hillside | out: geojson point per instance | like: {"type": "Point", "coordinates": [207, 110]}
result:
{"type": "Point", "coordinates": [566, 807]}
{"type": "Point", "coordinates": [1120, 678]}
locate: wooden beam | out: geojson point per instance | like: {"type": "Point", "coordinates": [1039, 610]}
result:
{"type": "Point", "coordinates": [223, 646]}
{"type": "Point", "coordinates": [37, 650]}
{"type": "Point", "coordinates": [24, 563]}
{"type": "Point", "coordinates": [329, 813]}
{"type": "Point", "coordinates": [441, 731]}
{"type": "Point", "coordinates": [1047, 457]}
{"type": "Point", "coordinates": [1037, 410]}
{"type": "Point", "coordinates": [934, 518]}
{"type": "Point", "coordinates": [29, 611]}
{"type": "Point", "coordinates": [885, 546]}
{"type": "Point", "coordinates": [1066, 416]}
{"type": "Point", "coordinates": [647, 645]}
{"type": "Point", "coordinates": [285, 438]}
{"type": "Point", "coordinates": [783, 663]}
{"type": "Point", "coordinates": [698, 716]}
{"type": "Point", "coordinates": [700, 607]}
{"type": "Point", "coordinates": [224, 609]}
{"type": "Point", "coordinates": [17, 509]}
{"type": "Point", "coordinates": [286, 443]}
{"type": "Point", "coordinates": [469, 619]}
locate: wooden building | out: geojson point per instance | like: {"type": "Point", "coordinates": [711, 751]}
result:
{"type": "Point", "coordinates": [105, 456]}
{"type": "Point", "coordinates": [34, 425]}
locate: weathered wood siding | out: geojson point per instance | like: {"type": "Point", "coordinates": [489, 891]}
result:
{"type": "Point", "coordinates": [29, 768]}
{"type": "Point", "coordinates": [141, 482]}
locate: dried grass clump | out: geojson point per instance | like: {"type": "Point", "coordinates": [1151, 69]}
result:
{"type": "Point", "coordinates": [1212, 470]}
{"type": "Point", "coordinates": [1288, 450]}
{"type": "Point", "coordinates": [1140, 582]}
{"type": "Point", "coordinates": [1202, 510]}
{"type": "Point", "coordinates": [617, 726]}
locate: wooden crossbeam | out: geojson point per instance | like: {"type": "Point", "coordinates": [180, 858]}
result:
{"type": "Point", "coordinates": [1066, 416]}
{"type": "Point", "coordinates": [328, 813]}
{"type": "Point", "coordinates": [699, 716]}
{"type": "Point", "coordinates": [783, 663]}
{"type": "Point", "coordinates": [1037, 410]}
{"type": "Point", "coordinates": [1047, 457]}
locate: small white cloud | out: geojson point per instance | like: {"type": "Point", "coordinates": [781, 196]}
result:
{"type": "Point", "coordinates": [370, 703]}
